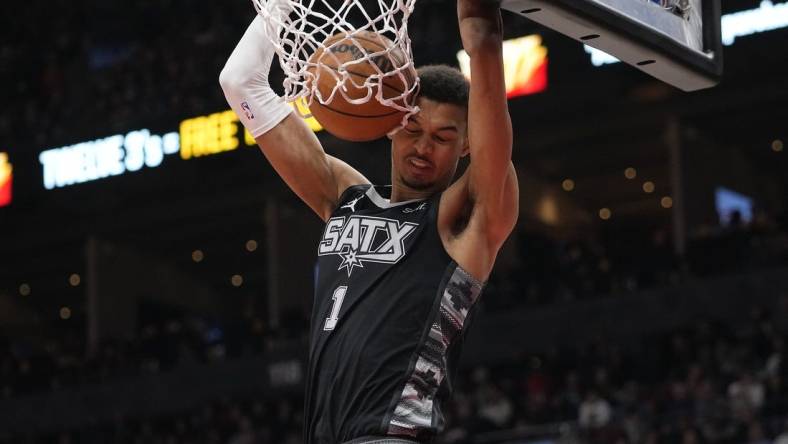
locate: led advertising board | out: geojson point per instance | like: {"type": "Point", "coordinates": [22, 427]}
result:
{"type": "Point", "coordinates": [131, 152]}
{"type": "Point", "coordinates": [525, 65]}
{"type": "Point", "coordinates": [6, 178]}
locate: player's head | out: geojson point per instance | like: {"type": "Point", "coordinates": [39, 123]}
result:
{"type": "Point", "coordinates": [425, 152]}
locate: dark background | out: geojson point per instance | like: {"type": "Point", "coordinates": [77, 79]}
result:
{"type": "Point", "coordinates": [572, 294]}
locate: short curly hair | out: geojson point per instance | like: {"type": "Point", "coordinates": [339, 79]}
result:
{"type": "Point", "coordinates": [444, 84]}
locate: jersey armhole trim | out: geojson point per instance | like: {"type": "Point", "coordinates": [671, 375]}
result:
{"type": "Point", "coordinates": [343, 196]}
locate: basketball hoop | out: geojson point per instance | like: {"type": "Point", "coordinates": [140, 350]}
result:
{"type": "Point", "coordinates": [299, 28]}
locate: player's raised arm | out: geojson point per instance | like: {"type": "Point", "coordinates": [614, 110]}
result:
{"type": "Point", "coordinates": [287, 142]}
{"type": "Point", "coordinates": [492, 180]}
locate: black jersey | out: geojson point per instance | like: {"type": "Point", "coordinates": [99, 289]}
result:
{"type": "Point", "coordinates": [389, 312]}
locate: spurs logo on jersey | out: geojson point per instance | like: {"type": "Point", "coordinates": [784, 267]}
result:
{"type": "Point", "coordinates": [359, 239]}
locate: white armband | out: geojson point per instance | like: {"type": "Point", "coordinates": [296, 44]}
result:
{"type": "Point", "coordinates": [244, 80]}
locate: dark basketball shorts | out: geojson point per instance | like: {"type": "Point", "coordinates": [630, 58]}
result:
{"type": "Point", "coordinates": [380, 440]}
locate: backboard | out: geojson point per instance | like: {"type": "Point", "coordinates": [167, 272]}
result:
{"type": "Point", "coordinates": [676, 41]}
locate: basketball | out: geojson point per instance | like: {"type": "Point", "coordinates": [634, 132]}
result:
{"type": "Point", "coordinates": [366, 121]}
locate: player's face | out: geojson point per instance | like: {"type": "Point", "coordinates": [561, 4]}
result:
{"type": "Point", "coordinates": [425, 152]}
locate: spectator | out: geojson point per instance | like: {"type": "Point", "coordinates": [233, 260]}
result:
{"type": "Point", "coordinates": [595, 412]}
{"type": "Point", "coordinates": [746, 396]}
{"type": "Point", "coordinates": [494, 406]}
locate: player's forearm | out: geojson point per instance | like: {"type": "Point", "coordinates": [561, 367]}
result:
{"type": "Point", "coordinates": [489, 123]}
{"type": "Point", "coordinates": [490, 129]}
{"type": "Point", "coordinates": [244, 80]}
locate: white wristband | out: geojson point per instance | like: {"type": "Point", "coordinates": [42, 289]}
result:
{"type": "Point", "coordinates": [244, 80]}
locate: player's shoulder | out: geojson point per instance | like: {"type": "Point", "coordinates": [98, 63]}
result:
{"type": "Point", "coordinates": [350, 197]}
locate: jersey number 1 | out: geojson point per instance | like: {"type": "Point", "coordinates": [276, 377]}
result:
{"type": "Point", "coordinates": [333, 318]}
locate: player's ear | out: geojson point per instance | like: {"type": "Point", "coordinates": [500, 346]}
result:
{"type": "Point", "coordinates": [466, 147]}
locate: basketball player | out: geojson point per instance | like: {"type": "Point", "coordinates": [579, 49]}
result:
{"type": "Point", "coordinates": [400, 267]}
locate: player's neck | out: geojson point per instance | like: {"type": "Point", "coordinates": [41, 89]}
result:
{"type": "Point", "coordinates": [402, 193]}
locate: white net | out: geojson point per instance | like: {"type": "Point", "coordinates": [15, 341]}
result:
{"type": "Point", "coordinates": [299, 29]}
{"type": "Point", "coordinates": [679, 7]}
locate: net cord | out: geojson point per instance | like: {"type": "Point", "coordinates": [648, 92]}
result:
{"type": "Point", "coordinates": [298, 28]}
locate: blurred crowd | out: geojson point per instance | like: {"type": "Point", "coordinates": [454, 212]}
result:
{"type": "Point", "coordinates": [30, 366]}
{"type": "Point", "coordinates": [704, 383]}
{"type": "Point", "coordinates": [553, 271]}
{"type": "Point", "coordinates": [110, 64]}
